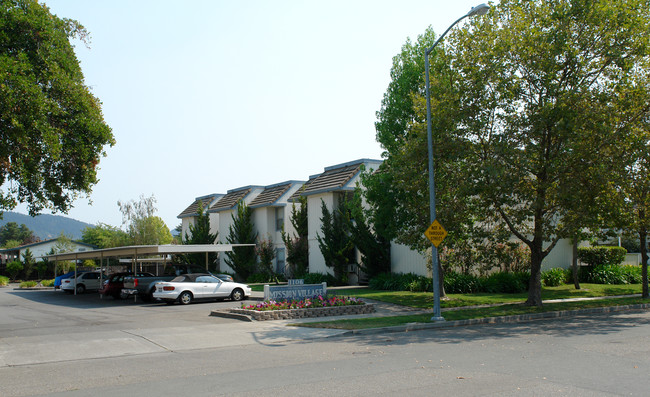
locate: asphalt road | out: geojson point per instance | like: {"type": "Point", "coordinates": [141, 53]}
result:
{"type": "Point", "coordinates": [55, 344]}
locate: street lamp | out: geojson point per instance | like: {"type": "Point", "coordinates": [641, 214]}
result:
{"type": "Point", "coordinates": [480, 9]}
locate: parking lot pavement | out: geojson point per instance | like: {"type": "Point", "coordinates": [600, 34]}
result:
{"type": "Point", "coordinates": [52, 326]}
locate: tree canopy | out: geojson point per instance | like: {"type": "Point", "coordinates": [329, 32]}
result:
{"type": "Point", "coordinates": [11, 231]}
{"type": "Point", "coordinates": [525, 122]}
{"type": "Point", "coordinates": [104, 236]}
{"type": "Point", "coordinates": [143, 226]}
{"type": "Point", "coordinates": [51, 126]}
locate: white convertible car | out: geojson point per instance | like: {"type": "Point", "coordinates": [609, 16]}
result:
{"type": "Point", "coordinates": [189, 287]}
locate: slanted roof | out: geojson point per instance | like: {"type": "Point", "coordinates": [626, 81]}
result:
{"type": "Point", "coordinates": [21, 247]}
{"type": "Point", "coordinates": [333, 179]}
{"type": "Point", "coordinates": [271, 194]}
{"type": "Point", "coordinates": [193, 209]}
{"type": "Point", "coordinates": [231, 199]}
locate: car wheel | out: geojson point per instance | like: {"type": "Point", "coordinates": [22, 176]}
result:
{"type": "Point", "coordinates": [123, 295]}
{"type": "Point", "coordinates": [185, 298]}
{"type": "Point", "coordinates": [237, 294]}
{"type": "Point", "coordinates": [80, 289]}
{"type": "Point", "coordinates": [148, 297]}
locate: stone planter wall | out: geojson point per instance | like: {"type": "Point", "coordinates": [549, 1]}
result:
{"type": "Point", "coordinates": [305, 313]}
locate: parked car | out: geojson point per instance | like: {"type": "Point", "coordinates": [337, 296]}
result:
{"type": "Point", "coordinates": [189, 287]}
{"type": "Point", "coordinates": [59, 279]}
{"type": "Point", "coordinates": [115, 282]}
{"type": "Point", "coordinates": [83, 282]}
{"type": "Point", "coordinates": [145, 286]}
{"type": "Point", "coordinates": [225, 277]}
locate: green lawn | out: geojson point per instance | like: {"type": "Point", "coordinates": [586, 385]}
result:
{"type": "Point", "coordinates": [510, 304]}
{"type": "Point", "coordinates": [424, 300]}
{"type": "Point", "coordinates": [496, 311]}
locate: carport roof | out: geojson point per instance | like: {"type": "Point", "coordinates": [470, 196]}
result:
{"type": "Point", "coordinates": [135, 251]}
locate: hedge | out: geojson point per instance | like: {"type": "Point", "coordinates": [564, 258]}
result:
{"type": "Point", "coordinates": [595, 256]}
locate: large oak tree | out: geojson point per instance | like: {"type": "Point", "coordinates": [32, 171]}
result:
{"type": "Point", "coordinates": [51, 126]}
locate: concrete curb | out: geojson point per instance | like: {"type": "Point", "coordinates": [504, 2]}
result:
{"type": "Point", "coordinates": [495, 320]}
{"type": "Point", "coordinates": [236, 316]}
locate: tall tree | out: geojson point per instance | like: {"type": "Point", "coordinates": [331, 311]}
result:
{"type": "Point", "coordinates": [534, 80]}
{"type": "Point", "coordinates": [143, 227]}
{"type": "Point", "coordinates": [11, 231]}
{"type": "Point", "coordinates": [51, 126]}
{"type": "Point", "coordinates": [199, 233]}
{"type": "Point", "coordinates": [28, 263]}
{"type": "Point", "coordinates": [298, 244]}
{"type": "Point", "coordinates": [104, 236]}
{"type": "Point", "coordinates": [633, 181]}
{"type": "Point", "coordinates": [335, 241]}
{"type": "Point", "coordinates": [398, 193]}
{"type": "Point", "coordinates": [371, 243]}
{"type": "Point", "coordinates": [242, 231]}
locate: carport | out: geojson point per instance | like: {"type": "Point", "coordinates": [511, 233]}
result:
{"type": "Point", "coordinates": [155, 252]}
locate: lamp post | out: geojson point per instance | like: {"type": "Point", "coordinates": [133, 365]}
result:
{"type": "Point", "coordinates": [480, 9]}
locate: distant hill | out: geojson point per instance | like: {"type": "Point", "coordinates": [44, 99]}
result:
{"type": "Point", "coordinates": [45, 226]}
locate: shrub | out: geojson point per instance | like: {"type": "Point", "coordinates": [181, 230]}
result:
{"type": "Point", "coordinates": [318, 278]}
{"type": "Point", "coordinates": [47, 283]}
{"type": "Point", "coordinates": [13, 268]}
{"type": "Point", "coordinates": [28, 284]}
{"type": "Point", "coordinates": [4, 281]}
{"type": "Point", "coordinates": [554, 277]}
{"type": "Point", "coordinates": [401, 282]}
{"type": "Point", "coordinates": [459, 283]}
{"type": "Point", "coordinates": [502, 282]}
{"type": "Point", "coordinates": [608, 274]}
{"type": "Point", "coordinates": [595, 256]}
{"type": "Point", "coordinates": [632, 274]}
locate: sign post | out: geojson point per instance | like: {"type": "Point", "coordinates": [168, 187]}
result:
{"type": "Point", "coordinates": [435, 233]}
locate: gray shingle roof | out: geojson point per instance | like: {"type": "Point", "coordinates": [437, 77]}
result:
{"type": "Point", "coordinates": [230, 200]}
{"type": "Point", "coordinates": [270, 195]}
{"type": "Point", "coordinates": [192, 210]}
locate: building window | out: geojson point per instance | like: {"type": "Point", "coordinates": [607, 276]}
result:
{"type": "Point", "coordinates": [279, 218]}
{"type": "Point", "coordinates": [279, 260]}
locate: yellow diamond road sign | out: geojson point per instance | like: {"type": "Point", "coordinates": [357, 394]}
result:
{"type": "Point", "coordinates": [436, 233]}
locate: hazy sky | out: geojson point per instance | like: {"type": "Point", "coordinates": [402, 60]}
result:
{"type": "Point", "coordinates": [208, 96]}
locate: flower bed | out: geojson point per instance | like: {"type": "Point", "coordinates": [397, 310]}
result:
{"type": "Point", "coordinates": [310, 307]}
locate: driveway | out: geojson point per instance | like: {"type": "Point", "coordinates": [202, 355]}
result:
{"type": "Point", "coordinates": [50, 326]}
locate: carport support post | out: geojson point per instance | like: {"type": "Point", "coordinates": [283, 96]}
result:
{"type": "Point", "coordinates": [206, 262]}
{"type": "Point", "coordinates": [76, 260]}
{"type": "Point", "coordinates": [135, 262]}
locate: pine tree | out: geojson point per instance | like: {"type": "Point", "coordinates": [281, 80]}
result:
{"type": "Point", "coordinates": [199, 233]}
{"type": "Point", "coordinates": [242, 231]}
{"type": "Point", "coordinates": [298, 245]}
{"type": "Point", "coordinates": [335, 242]}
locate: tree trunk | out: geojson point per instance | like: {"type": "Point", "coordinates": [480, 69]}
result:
{"type": "Point", "coordinates": [574, 264]}
{"type": "Point", "coordinates": [535, 282]}
{"type": "Point", "coordinates": [643, 234]}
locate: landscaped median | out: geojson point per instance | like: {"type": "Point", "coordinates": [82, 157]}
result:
{"type": "Point", "coordinates": [318, 306]}
{"type": "Point", "coordinates": [499, 307]}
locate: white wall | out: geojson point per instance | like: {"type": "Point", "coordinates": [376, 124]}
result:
{"type": "Point", "coordinates": [45, 248]}
{"type": "Point", "coordinates": [225, 221]}
{"type": "Point", "coordinates": [405, 260]}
